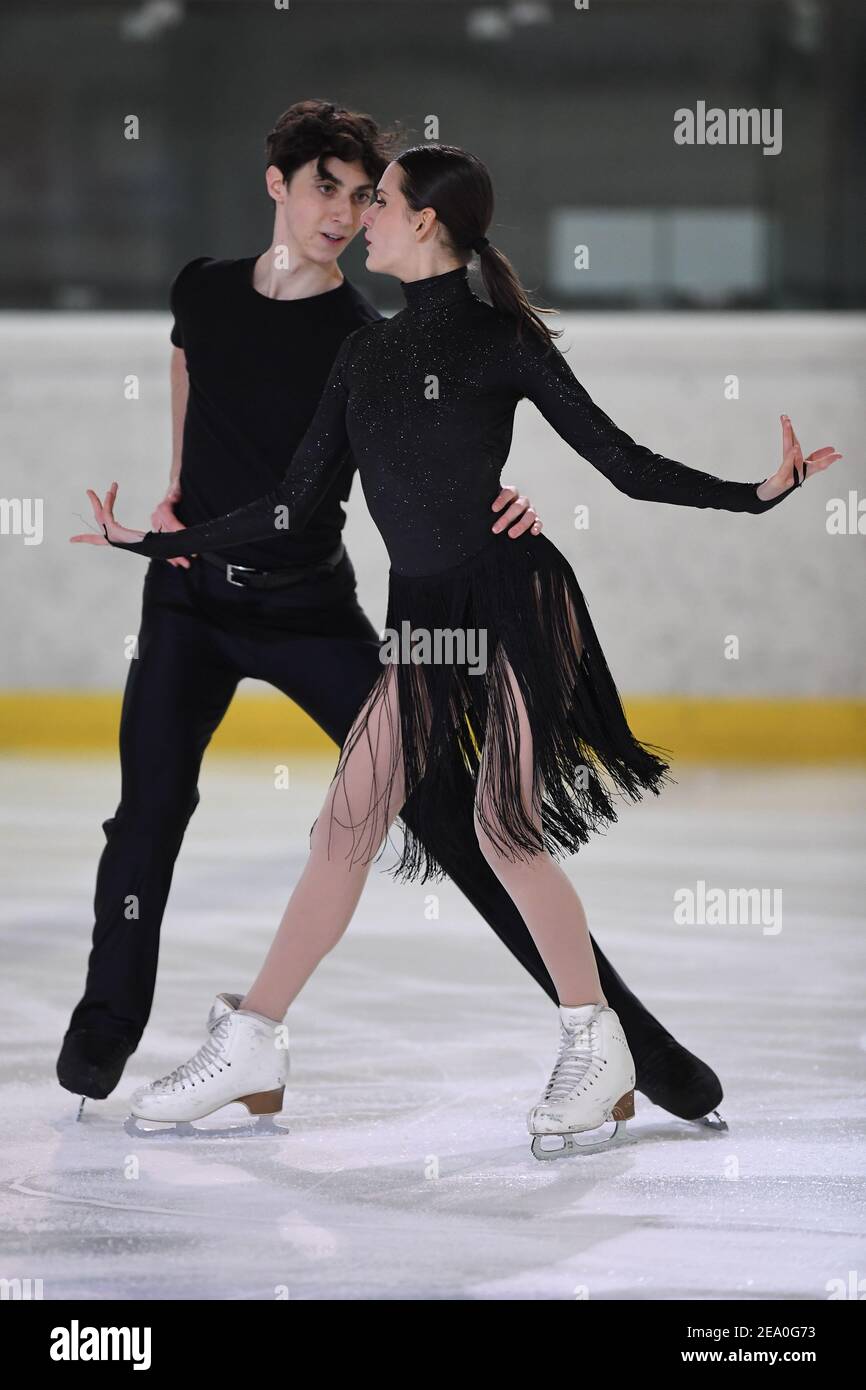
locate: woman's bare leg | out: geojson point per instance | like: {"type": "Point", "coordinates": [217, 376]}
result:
{"type": "Point", "coordinates": [368, 790]}
{"type": "Point", "coordinates": [539, 887]}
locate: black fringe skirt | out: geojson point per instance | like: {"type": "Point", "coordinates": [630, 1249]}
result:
{"type": "Point", "coordinates": [451, 637]}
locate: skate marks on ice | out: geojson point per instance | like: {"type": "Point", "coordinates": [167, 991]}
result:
{"type": "Point", "coordinates": [407, 1171]}
{"type": "Point", "coordinates": [399, 1202]}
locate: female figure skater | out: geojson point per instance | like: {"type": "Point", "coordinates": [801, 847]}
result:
{"type": "Point", "coordinates": [426, 401]}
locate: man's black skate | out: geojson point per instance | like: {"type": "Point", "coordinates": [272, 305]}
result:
{"type": "Point", "coordinates": [678, 1081]}
{"type": "Point", "coordinates": [91, 1062]}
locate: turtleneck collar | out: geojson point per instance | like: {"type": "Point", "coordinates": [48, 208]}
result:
{"type": "Point", "coordinates": [437, 291]}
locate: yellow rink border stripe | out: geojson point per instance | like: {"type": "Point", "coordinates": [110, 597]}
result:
{"type": "Point", "coordinates": [694, 729]}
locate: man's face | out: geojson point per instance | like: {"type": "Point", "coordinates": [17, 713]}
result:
{"type": "Point", "coordinates": [322, 215]}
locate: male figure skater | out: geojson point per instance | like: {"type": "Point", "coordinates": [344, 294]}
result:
{"type": "Point", "coordinates": [254, 341]}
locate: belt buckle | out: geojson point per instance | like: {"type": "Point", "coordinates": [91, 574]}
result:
{"type": "Point", "coordinates": [248, 569]}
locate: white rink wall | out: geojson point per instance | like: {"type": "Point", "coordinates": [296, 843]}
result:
{"type": "Point", "coordinates": [666, 586]}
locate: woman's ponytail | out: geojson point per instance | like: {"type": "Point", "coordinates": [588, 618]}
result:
{"type": "Point", "coordinates": [510, 298]}
{"type": "Point", "coordinates": [457, 186]}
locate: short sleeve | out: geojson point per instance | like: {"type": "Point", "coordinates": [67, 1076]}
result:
{"type": "Point", "coordinates": [178, 298]}
{"type": "Point", "coordinates": [176, 329]}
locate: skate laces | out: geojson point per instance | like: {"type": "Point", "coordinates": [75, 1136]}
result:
{"type": "Point", "coordinates": [199, 1065]}
{"type": "Point", "coordinates": [578, 1054]}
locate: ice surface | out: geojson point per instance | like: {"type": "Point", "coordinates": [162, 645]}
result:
{"type": "Point", "coordinates": [419, 1045]}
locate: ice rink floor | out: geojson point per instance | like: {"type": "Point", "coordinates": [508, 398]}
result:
{"type": "Point", "coordinates": [417, 1049]}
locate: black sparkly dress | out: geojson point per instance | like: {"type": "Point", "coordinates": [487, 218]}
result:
{"type": "Point", "coordinates": [426, 402]}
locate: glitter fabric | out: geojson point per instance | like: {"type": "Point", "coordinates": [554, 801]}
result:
{"type": "Point", "coordinates": [426, 402]}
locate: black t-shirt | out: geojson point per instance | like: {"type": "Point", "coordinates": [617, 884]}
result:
{"type": "Point", "coordinates": [426, 401]}
{"type": "Point", "coordinates": [257, 368]}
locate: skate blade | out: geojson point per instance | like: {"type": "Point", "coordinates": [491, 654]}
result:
{"type": "Point", "coordinates": [253, 1127]}
{"type": "Point", "coordinates": [717, 1124]}
{"type": "Point", "coordinates": [569, 1144]}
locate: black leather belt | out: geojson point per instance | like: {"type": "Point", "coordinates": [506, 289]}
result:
{"type": "Point", "coordinates": [248, 577]}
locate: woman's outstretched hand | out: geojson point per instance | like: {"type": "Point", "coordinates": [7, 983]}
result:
{"type": "Point", "coordinates": [794, 468]}
{"type": "Point", "coordinates": [104, 513]}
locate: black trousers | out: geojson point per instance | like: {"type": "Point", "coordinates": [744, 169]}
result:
{"type": "Point", "coordinates": [199, 636]}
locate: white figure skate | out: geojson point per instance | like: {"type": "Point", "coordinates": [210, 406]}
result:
{"type": "Point", "coordinates": [592, 1083]}
{"type": "Point", "coordinates": [241, 1063]}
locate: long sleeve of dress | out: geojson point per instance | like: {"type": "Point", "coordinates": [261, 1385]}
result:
{"type": "Point", "coordinates": [548, 381]}
{"type": "Point", "coordinates": [289, 505]}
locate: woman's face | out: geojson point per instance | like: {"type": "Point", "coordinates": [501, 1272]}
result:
{"type": "Point", "coordinates": [390, 227]}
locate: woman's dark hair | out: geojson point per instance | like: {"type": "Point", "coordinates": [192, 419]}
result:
{"type": "Point", "coordinates": [314, 129]}
{"type": "Point", "coordinates": [458, 187]}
